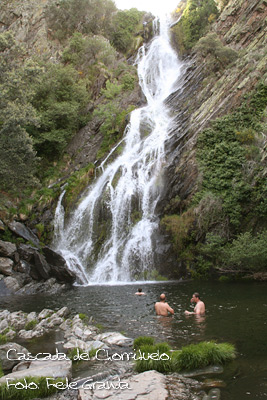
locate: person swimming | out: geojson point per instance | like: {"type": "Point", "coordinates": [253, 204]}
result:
{"type": "Point", "coordinates": [140, 292]}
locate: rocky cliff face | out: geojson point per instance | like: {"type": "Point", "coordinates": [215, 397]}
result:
{"type": "Point", "coordinates": [26, 19]}
{"type": "Point", "coordinates": [201, 97]}
{"type": "Point", "coordinates": [205, 95]}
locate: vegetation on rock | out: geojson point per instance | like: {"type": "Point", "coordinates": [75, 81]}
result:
{"type": "Point", "coordinates": [159, 357]}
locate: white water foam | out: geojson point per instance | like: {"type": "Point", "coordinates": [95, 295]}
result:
{"type": "Point", "coordinates": [129, 185]}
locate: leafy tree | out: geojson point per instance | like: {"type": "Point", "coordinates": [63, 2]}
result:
{"type": "Point", "coordinates": [125, 24]}
{"type": "Point", "coordinates": [60, 99]}
{"type": "Point", "coordinates": [85, 16]}
{"type": "Point", "coordinates": [247, 252]}
{"type": "Point", "coordinates": [220, 55]}
{"type": "Point", "coordinates": [85, 51]}
{"type": "Point", "coordinates": [196, 17]}
{"type": "Point", "coordinates": [18, 158]}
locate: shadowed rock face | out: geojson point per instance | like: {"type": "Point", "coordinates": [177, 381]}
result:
{"type": "Point", "coordinates": [204, 96]}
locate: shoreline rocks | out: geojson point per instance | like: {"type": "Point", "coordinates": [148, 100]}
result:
{"type": "Point", "coordinates": [80, 334]}
{"type": "Point", "coordinates": [29, 269]}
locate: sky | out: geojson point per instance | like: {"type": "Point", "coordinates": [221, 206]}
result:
{"type": "Point", "coordinates": [157, 7]}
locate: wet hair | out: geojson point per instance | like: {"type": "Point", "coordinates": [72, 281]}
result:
{"type": "Point", "coordinates": [140, 290]}
{"type": "Point", "coordinates": [196, 294]}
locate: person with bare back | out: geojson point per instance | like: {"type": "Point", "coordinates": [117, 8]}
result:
{"type": "Point", "coordinates": [162, 307]}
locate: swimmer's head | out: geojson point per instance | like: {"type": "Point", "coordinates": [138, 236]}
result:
{"type": "Point", "coordinates": [162, 297]}
{"type": "Point", "coordinates": [140, 290]}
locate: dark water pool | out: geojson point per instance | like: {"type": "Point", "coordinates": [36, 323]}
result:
{"type": "Point", "coordinates": [236, 312]}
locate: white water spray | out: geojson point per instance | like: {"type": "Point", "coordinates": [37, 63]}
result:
{"type": "Point", "coordinates": [109, 236]}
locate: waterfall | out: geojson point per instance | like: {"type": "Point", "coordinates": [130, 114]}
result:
{"type": "Point", "coordinates": [109, 235]}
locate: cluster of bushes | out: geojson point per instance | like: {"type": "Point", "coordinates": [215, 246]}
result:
{"type": "Point", "coordinates": [225, 225]}
{"type": "Point", "coordinates": [216, 55]}
{"type": "Point", "coordinates": [194, 23]}
{"type": "Point", "coordinates": [38, 388]}
{"type": "Point", "coordinates": [94, 17]}
{"type": "Point", "coordinates": [44, 103]}
{"type": "Point", "coordinates": [188, 358]}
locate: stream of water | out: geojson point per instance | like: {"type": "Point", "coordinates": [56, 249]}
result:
{"type": "Point", "coordinates": [236, 313]}
{"type": "Point", "coordinates": [109, 236]}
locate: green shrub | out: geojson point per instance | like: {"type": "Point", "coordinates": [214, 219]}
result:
{"type": "Point", "coordinates": [83, 317]}
{"type": "Point", "coordinates": [30, 325]}
{"type": "Point", "coordinates": [60, 99]}
{"type": "Point", "coordinates": [188, 358]}
{"type": "Point", "coordinates": [68, 16]}
{"type": "Point", "coordinates": [195, 19]}
{"type": "Point", "coordinates": [201, 355]}
{"type": "Point", "coordinates": [218, 56]}
{"type": "Point", "coordinates": [125, 24]}
{"type": "Point", "coordinates": [145, 363]}
{"type": "Point", "coordinates": [3, 339]}
{"type": "Point", "coordinates": [42, 391]}
{"type": "Point", "coordinates": [142, 341]}
{"type": "Point", "coordinates": [83, 52]}
{"type": "Point", "coordinates": [222, 158]}
{"type": "Point", "coordinates": [247, 252]}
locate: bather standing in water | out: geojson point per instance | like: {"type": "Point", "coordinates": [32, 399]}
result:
{"type": "Point", "coordinates": [200, 306]}
{"type": "Point", "coordinates": [162, 308]}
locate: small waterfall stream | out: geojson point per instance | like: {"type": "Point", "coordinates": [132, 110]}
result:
{"type": "Point", "coordinates": [109, 236]}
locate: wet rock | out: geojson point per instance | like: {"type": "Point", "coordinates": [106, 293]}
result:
{"type": "Point", "coordinates": [17, 320]}
{"type": "Point", "coordinates": [149, 385]}
{"type": "Point", "coordinates": [58, 265]}
{"type": "Point", "coordinates": [7, 249]}
{"type": "Point", "coordinates": [26, 252]}
{"type": "Point", "coordinates": [3, 325]}
{"type": "Point", "coordinates": [216, 369]}
{"type": "Point", "coordinates": [208, 383]}
{"type": "Point", "coordinates": [85, 346]}
{"type": "Point", "coordinates": [181, 388]}
{"type": "Point", "coordinates": [23, 267]}
{"type": "Point", "coordinates": [6, 266]}
{"type": "Point", "coordinates": [37, 332]}
{"type": "Point", "coordinates": [214, 394]}
{"type": "Point", "coordinates": [63, 312]}
{"type": "Point", "coordinates": [10, 334]}
{"type": "Point", "coordinates": [32, 316]}
{"type": "Point", "coordinates": [20, 230]}
{"type": "Point", "coordinates": [4, 314]}
{"type": "Point", "coordinates": [114, 338]}
{"type": "Point", "coordinates": [41, 266]}
{"type": "Point", "coordinates": [10, 349]}
{"type": "Point", "coordinates": [45, 313]}
{"type": "Point", "coordinates": [54, 368]}
{"type": "Point", "coordinates": [12, 284]}
{"type": "Point", "coordinates": [55, 321]}
{"type": "Point", "coordinates": [21, 366]}
{"type": "Point", "coordinates": [51, 286]}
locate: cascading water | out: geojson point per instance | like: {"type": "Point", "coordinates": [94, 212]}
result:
{"type": "Point", "coordinates": [109, 236]}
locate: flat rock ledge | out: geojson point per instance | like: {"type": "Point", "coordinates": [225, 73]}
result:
{"type": "Point", "coordinates": [149, 385]}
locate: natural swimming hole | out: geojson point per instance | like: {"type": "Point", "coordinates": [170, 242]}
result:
{"type": "Point", "coordinates": [236, 313]}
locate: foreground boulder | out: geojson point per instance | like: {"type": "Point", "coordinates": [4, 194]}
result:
{"type": "Point", "coordinates": [55, 369]}
{"type": "Point", "coordinates": [149, 385]}
{"type": "Point", "coordinates": [10, 349]}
